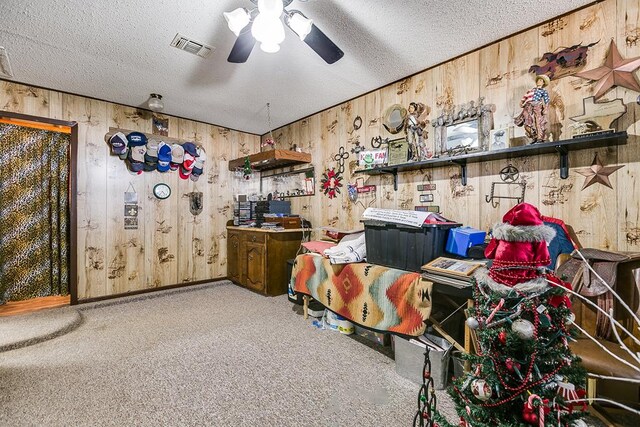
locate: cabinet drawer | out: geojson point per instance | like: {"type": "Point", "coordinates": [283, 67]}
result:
{"type": "Point", "coordinates": [255, 237]}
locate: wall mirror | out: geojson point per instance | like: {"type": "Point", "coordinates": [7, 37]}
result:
{"type": "Point", "coordinates": [462, 136]}
{"type": "Point", "coordinates": [301, 182]}
{"type": "Point", "coordinates": [463, 129]}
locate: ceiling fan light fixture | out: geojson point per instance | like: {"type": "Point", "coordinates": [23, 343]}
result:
{"type": "Point", "coordinates": [300, 24]}
{"type": "Point", "coordinates": [237, 19]}
{"type": "Point", "coordinates": [155, 102]}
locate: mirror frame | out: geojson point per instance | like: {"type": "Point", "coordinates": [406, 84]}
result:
{"type": "Point", "coordinates": [479, 111]}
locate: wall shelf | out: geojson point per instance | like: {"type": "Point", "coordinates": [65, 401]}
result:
{"type": "Point", "coordinates": [271, 159]}
{"type": "Point", "coordinates": [561, 147]}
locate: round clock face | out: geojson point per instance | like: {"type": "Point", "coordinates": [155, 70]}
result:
{"type": "Point", "coordinates": [161, 191]}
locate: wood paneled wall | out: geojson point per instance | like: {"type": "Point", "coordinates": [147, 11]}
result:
{"type": "Point", "coordinates": [602, 217]}
{"type": "Point", "coordinates": [170, 246]}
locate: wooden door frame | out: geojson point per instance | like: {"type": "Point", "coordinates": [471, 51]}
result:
{"type": "Point", "coordinates": [72, 189]}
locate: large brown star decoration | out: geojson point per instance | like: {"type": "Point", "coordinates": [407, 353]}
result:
{"type": "Point", "coordinates": [597, 173]}
{"type": "Point", "coordinates": [615, 72]}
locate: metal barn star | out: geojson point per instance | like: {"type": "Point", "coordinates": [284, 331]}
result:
{"type": "Point", "coordinates": [597, 173]}
{"type": "Point", "coordinates": [615, 72]}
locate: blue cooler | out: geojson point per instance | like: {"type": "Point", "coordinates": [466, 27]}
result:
{"type": "Point", "coordinates": [462, 238]}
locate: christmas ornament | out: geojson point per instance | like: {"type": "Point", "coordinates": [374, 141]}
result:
{"type": "Point", "coordinates": [523, 329]}
{"type": "Point", "coordinates": [481, 390]}
{"type": "Point", "coordinates": [570, 319]}
{"type": "Point", "coordinates": [473, 323]}
{"type": "Point", "coordinates": [597, 173]}
{"type": "Point", "coordinates": [502, 337]}
{"type": "Point", "coordinates": [512, 366]}
{"type": "Point", "coordinates": [529, 414]}
{"type": "Point", "coordinates": [615, 72]}
{"type": "Point", "coordinates": [331, 182]}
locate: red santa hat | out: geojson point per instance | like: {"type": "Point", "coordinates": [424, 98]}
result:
{"type": "Point", "coordinates": [519, 252]}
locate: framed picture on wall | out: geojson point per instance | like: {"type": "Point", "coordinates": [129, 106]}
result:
{"type": "Point", "coordinates": [499, 139]}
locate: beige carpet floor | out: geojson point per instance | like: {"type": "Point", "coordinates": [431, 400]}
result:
{"type": "Point", "coordinates": [212, 355]}
{"type": "Point", "coordinates": [209, 355]}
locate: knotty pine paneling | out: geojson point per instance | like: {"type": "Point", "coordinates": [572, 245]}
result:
{"type": "Point", "coordinates": [602, 217]}
{"type": "Point", "coordinates": [171, 245]}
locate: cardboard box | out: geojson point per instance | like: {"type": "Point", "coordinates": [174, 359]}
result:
{"type": "Point", "coordinates": [462, 238]}
{"type": "Point", "coordinates": [287, 222]}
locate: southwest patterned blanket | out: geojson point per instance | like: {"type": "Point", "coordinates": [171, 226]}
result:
{"type": "Point", "coordinates": [377, 297]}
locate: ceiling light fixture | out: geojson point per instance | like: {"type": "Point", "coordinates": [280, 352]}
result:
{"type": "Point", "coordinates": [155, 102]}
{"type": "Point", "coordinates": [264, 24]}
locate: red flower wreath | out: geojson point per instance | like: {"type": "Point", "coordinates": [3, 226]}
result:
{"type": "Point", "coordinates": [331, 182]}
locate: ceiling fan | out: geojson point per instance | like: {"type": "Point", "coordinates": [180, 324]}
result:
{"type": "Point", "coordinates": [264, 24]}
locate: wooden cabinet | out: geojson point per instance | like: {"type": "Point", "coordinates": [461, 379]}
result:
{"type": "Point", "coordinates": [257, 259]}
{"type": "Point", "coordinates": [233, 256]}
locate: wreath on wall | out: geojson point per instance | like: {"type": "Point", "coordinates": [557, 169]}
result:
{"type": "Point", "coordinates": [331, 182]}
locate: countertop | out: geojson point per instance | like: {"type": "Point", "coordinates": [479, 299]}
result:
{"type": "Point", "coordinates": [262, 230]}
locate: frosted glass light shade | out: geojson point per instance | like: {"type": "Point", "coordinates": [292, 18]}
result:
{"type": "Point", "coordinates": [267, 29]}
{"type": "Point", "coordinates": [270, 47]}
{"type": "Point", "coordinates": [270, 7]}
{"type": "Point", "coordinates": [155, 102]}
{"type": "Point", "coordinates": [237, 19]}
{"type": "Point", "coordinates": [299, 24]}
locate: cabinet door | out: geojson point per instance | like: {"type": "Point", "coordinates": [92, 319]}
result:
{"type": "Point", "coordinates": [256, 263]}
{"type": "Point", "coordinates": [233, 257]}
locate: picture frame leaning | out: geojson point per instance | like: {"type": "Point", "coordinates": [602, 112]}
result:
{"type": "Point", "coordinates": [499, 139]}
{"type": "Point", "coordinates": [450, 266]}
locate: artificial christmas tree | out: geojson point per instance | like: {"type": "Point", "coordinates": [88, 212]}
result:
{"type": "Point", "coordinates": [524, 372]}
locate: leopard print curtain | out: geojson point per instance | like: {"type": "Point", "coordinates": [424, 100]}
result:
{"type": "Point", "coordinates": [34, 213]}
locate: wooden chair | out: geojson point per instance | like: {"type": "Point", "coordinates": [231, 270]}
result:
{"type": "Point", "coordinates": [622, 272]}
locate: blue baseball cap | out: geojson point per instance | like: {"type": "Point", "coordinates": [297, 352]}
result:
{"type": "Point", "coordinates": [190, 147]}
{"type": "Point", "coordinates": [136, 139]}
{"type": "Point", "coordinates": [164, 157]}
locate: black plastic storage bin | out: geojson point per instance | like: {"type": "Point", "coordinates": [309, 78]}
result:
{"type": "Point", "coordinates": [402, 246]}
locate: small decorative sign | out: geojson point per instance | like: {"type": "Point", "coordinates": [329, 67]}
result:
{"type": "Point", "coordinates": [398, 151]}
{"type": "Point", "coordinates": [370, 158]}
{"type": "Point", "coordinates": [130, 209]}
{"type": "Point", "coordinates": [425, 198]}
{"type": "Point", "coordinates": [430, 208]}
{"type": "Point", "coordinates": [131, 223]}
{"type": "Point", "coordinates": [366, 189]}
{"type": "Point", "coordinates": [426, 187]}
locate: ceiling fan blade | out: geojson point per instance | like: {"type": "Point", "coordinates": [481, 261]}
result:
{"type": "Point", "coordinates": [323, 46]}
{"type": "Point", "coordinates": [242, 47]}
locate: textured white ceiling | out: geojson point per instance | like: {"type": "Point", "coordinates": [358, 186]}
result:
{"type": "Point", "coordinates": [119, 51]}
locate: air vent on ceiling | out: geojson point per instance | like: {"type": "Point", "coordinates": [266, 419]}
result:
{"type": "Point", "coordinates": [192, 46]}
{"type": "Point", "coordinates": [5, 66]}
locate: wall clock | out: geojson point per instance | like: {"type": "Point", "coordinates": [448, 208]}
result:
{"type": "Point", "coordinates": [162, 191]}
